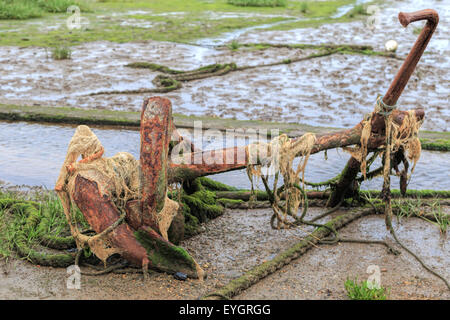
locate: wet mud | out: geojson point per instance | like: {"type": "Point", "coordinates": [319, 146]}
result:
{"type": "Point", "coordinates": [334, 91]}
{"type": "Point", "coordinates": [241, 239]}
{"type": "Point", "coordinates": [321, 272]}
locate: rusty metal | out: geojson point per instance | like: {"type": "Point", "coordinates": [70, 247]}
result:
{"type": "Point", "coordinates": [191, 170]}
{"type": "Point", "coordinates": [408, 66]}
{"type": "Point", "coordinates": [156, 131]}
{"type": "Point", "coordinates": [392, 95]}
{"type": "Point", "coordinates": [100, 212]}
{"type": "Point", "coordinates": [396, 89]}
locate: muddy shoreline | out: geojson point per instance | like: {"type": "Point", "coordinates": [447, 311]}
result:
{"type": "Point", "coordinates": [337, 91]}
{"type": "Point", "coordinates": [241, 239]}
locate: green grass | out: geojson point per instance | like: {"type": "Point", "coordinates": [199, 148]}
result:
{"type": "Point", "coordinates": [321, 9]}
{"type": "Point", "coordinates": [195, 6]}
{"type": "Point", "coordinates": [26, 9]}
{"type": "Point", "coordinates": [13, 222]}
{"type": "Point", "coordinates": [10, 9]}
{"type": "Point", "coordinates": [442, 219]}
{"type": "Point", "coordinates": [61, 53]}
{"type": "Point", "coordinates": [234, 45]}
{"type": "Point", "coordinates": [165, 28]}
{"type": "Point", "coordinates": [258, 3]}
{"type": "Point", "coordinates": [362, 291]}
{"type": "Point", "coordinates": [304, 7]}
{"type": "Point", "coordinates": [417, 207]}
{"type": "Point", "coordinates": [60, 6]}
{"type": "Point", "coordinates": [357, 10]}
{"type": "Point", "coordinates": [319, 12]}
{"type": "Point", "coordinates": [408, 207]}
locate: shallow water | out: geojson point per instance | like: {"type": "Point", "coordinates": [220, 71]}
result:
{"type": "Point", "coordinates": [32, 154]}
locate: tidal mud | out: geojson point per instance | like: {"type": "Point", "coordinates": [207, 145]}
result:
{"type": "Point", "coordinates": [241, 239]}
{"type": "Point", "coordinates": [336, 90]}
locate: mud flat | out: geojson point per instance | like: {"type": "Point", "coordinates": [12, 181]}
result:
{"type": "Point", "coordinates": [241, 239]}
{"type": "Point", "coordinates": [328, 91]}
{"type": "Point", "coordinates": [320, 273]}
{"type": "Point", "coordinates": [331, 91]}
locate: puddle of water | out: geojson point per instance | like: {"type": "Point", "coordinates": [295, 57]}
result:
{"type": "Point", "coordinates": [213, 15]}
{"type": "Point", "coordinates": [138, 23]}
{"type": "Point", "coordinates": [429, 172]}
{"type": "Point", "coordinates": [32, 154]}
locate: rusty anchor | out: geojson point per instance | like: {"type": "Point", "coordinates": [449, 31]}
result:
{"type": "Point", "coordinates": [138, 229]}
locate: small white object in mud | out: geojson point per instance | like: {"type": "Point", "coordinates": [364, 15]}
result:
{"type": "Point", "coordinates": [391, 45]}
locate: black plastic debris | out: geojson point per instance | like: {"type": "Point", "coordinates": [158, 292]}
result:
{"type": "Point", "coordinates": [180, 276]}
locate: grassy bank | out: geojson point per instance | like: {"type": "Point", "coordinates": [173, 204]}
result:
{"type": "Point", "coordinates": [65, 115]}
{"type": "Point", "coordinates": [26, 226]}
{"type": "Point", "coordinates": [68, 115]}
{"type": "Point", "coordinates": [258, 3]}
{"type": "Point", "coordinates": [26, 9]}
{"type": "Point", "coordinates": [175, 20]}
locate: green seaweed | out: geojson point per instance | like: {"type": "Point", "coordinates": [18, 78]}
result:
{"type": "Point", "coordinates": [214, 185]}
{"type": "Point", "coordinates": [25, 234]}
{"type": "Point", "coordinates": [411, 193]}
{"type": "Point", "coordinates": [229, 203]}
{"type": "Point", "coordinates": [436, 145]}
{"type": "Point", "coordinates": [153, 66]}
{"type": "Point", "coordinates": [200, 209]}
{"type": "Point", "coordinates": [166, 257]}
{"type": "Point", "coordinates": [191, 222]}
